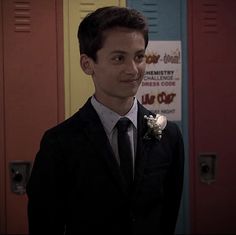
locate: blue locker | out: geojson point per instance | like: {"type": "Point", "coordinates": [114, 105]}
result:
{"type": "Point", "coordinates": [167, 22]}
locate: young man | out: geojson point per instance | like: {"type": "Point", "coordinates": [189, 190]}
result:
{"type": "Point", "coordinates": [82, 182]}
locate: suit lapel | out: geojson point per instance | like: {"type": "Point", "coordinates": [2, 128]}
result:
{"type": "Point", "coordinates": [96, 134]}
{"type": "Point", "coordinates": [142, 147]}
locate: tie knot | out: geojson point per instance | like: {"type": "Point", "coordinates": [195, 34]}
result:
{"type": "Point", "coordinates": [123, 124]}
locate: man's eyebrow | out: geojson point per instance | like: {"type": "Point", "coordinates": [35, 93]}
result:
{"type": "Point", "coordinates": [124, 52]}
{"type": "Point", "coordinates": [141, 51]}
{"type": "Point", "coordinates": [118, 52]}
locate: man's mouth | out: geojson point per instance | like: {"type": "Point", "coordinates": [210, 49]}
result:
{"type": "Point", "coordinates": [130, 80]}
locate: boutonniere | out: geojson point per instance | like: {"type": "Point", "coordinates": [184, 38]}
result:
{"type": "Point", "coordinates": [155, 126]}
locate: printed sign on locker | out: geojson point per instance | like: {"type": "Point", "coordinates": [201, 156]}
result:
{"type": "Point", "coordinates": [160, 90]}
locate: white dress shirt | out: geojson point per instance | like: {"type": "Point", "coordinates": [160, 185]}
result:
{"type": "Point", "coordinates": [109, 119]}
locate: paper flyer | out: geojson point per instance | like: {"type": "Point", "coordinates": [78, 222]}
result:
{"type": "Point", "coordinates": [160, 90]}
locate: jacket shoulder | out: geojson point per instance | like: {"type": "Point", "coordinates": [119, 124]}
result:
{"type": "Point", "coordinates": [75, 123]}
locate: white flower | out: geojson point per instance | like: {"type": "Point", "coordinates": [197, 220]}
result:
{"type": "Point", "coordinates": [155, 126]}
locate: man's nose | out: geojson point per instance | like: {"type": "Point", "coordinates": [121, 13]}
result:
{"type": "Point", "coordinates": [131, 67]}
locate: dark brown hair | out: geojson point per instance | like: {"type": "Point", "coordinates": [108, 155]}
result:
{"type": "Point", "coordinates": [90, 32]}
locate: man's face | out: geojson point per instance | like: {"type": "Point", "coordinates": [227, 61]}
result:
{"type": "Point", "coordinates": [120, 65]}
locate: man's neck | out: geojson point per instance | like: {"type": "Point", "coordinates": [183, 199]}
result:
{"type": "Point", "coordinates": [120, 106]}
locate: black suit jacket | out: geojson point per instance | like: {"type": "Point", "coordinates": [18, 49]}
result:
{"type": "Point", "coordinates": [76, 184]}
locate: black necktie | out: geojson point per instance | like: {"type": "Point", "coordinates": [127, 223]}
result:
{"type": "Point", "coordinates": [124, 148]}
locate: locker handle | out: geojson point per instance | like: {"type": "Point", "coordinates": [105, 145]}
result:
{"type": "Point", "coordinates": [19, 176]}
{"type": "Point", "coordinates": [207, 167]}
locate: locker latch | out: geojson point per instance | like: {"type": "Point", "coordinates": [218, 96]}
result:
{"type": "Point", "coordinates": [207, 167]}
{"type": "Point", "coordinates": [19, 175]}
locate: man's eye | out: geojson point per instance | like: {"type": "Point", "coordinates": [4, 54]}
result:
{"type": "Point", "coordinates": [118, 58]}
{"type": "Point", "coordinates": [139, 58]}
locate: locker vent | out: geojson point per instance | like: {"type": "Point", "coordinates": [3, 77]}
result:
{"type": "Point", "coordinates": [150, 11]}
{"type": "Point", "coordinates": [86, 7]}
{"type": "Point", "coordinates": [22, 16]}
{"type": "Point", "coordinates": [210, 14]}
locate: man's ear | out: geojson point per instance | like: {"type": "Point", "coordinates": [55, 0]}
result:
{"type": "Point", "coordinates": [86, 64]}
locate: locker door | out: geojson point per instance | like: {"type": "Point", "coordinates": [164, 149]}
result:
{"type": "Point", "coordinates": [78, 86]}
{"type": "Point", "coordinates": [167, 22]}
{"type": "Point", "coordinates": [212, 47]}
{"type": "Point", "coordinates": [2, 151]}
{"type": "Point", "coordinates": [31, 96]}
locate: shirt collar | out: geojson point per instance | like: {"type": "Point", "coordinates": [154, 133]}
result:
{"type": "Point", "coordinates": [109, 118]}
